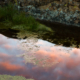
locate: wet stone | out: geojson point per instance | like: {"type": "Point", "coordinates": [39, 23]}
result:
{"type": "Point", "coordinates": [33, 11]}
{"type": "Point", "coordinates": [38, 11]}
{"type": "Point", "coordinates": [78, 12]}
{"type": "Point", "coordinates": [26, 10]}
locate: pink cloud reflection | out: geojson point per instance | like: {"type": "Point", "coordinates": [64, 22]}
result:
{"type": "Point", "coordinates": [8, 46]}
{"type": "Point", "coordinates": [67, 68]}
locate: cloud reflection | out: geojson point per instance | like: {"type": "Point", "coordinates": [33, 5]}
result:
{"type": "Point", "coordinates": [66, 66]}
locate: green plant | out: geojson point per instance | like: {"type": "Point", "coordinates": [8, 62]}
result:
{"type": "Point", "coordinates": [7, 12]}
{"type": "Point", "coordinates": [7, 23]}
{"type": "Point", "coordinates": [19, 19]}
{"type": "Point", "coordinates": [32, 24]}
{"type": "Point", "coordinates": [14, 19]}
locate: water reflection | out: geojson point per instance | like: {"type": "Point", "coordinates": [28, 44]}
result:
{"type": "Point", "coordinates": [66, 61]}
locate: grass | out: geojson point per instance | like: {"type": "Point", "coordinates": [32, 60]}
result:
{"type": "Point", "coordinates": [8, 77]}
{"type": "Point", "coordinates": [14, 19]}
{"type": "Point", "coordinates": [7, 12]}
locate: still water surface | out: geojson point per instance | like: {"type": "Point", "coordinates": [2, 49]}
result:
{"type": "Point", "coordinates": [65, 60]}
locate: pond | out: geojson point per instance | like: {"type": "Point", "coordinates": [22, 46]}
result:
{"type": "Point", "coordinates": [61, 63]}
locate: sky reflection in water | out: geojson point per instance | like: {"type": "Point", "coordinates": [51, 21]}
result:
{"type": "Point", "coordinates": [67, 66]}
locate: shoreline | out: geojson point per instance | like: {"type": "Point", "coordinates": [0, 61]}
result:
{"type": "Point", "coordinates": [55, 24]}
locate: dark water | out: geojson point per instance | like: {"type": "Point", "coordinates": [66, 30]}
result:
{"type": "Point", "coordinates": [66, 60]}
{"type": "Point", "coordinates": [63, 34]}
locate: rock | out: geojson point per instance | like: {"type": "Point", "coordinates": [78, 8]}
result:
{"type": "Point", "coordinates": [54, 11]}
{"type": "Point", "coordinates": [56, 15]}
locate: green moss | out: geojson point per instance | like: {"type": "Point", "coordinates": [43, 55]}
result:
{"type": "Point", "coordinates": [65, 5]}
{"type": "Point", "coordinates": [42, 27]}
{"type": "Point", "coordinates": [8, 77]}
{"type": "Point", "coordinates": [75, 6]}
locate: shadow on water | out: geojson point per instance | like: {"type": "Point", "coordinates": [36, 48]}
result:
{"type": "Point", "coordinates": [63, 34]}
{"type": "Point", "coordinates": [9, 33]}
